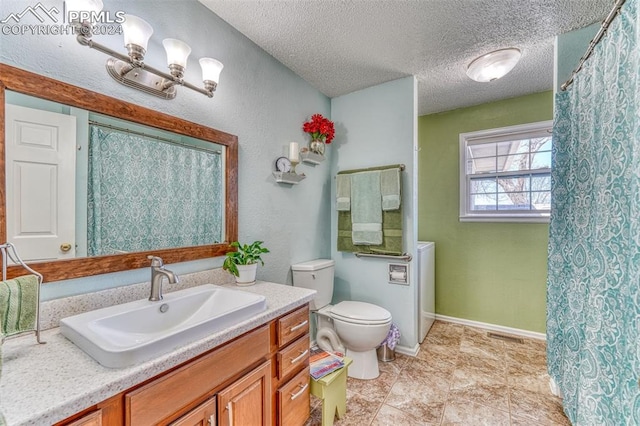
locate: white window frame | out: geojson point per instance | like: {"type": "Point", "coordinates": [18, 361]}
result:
{"type": "Point", "coordinates": [503, 134]}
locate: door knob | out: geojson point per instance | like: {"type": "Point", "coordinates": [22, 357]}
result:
{"type": "Point", "coordinates": [65, 247]}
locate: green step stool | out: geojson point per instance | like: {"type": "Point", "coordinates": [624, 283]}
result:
{"type": "Point", "coordinates": [332, 390]}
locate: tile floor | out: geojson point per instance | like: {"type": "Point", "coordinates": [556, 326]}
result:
{"type": "Point", "coordinates": [460, 377]}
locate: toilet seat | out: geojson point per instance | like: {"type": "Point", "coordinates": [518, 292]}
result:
{"type": "Point", "coordinates": [360, 313]}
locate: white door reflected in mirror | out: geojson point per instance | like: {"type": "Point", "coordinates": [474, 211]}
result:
{"type": "Point", "coordinates": [41, 218]}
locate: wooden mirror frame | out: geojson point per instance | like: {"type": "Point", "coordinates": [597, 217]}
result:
{"type": "Point", "coordinates": [28, 83]}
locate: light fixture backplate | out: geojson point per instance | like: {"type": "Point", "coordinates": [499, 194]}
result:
{"type": "Point", "coordinates": [140, 79]}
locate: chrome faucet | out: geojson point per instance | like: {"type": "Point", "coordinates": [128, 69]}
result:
{"type": "Point", "coordinates": [157, 273]}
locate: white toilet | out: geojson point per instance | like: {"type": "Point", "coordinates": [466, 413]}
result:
{"type": "Point", "coordinates": [359, 326]}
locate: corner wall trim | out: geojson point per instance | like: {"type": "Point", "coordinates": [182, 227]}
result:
{"type": "Point", "coordinates": [493, 327]}
{"type": "Point", "coordinates": [405, 350]}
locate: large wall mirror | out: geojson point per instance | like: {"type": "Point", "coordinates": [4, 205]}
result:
{"type": "Point", "coordinates": [90, 184]}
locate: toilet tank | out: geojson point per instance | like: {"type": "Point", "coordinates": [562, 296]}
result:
{"type": "Point", "coordinates": [316, 275]}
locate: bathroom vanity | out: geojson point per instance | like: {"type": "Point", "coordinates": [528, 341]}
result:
{"type": "Point", "coordinates": [255, 372]}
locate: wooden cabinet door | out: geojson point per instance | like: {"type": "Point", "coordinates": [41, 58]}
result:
{"type": "Point", "coordinates": [160, 399]}
{"type": "Point", "coordinates": [92, 419]}
{"type": "Point", "coordinates": [203, 415]}
{"type": "Point", "coordinates": [247, 402]}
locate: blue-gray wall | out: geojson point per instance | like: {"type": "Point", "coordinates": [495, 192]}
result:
{"type": "Point", "coordinates": [569, 49]}
{"type": "Point", "coordinates": [258, 99]}
{"type": "Point", "coordinates": [377, 126]}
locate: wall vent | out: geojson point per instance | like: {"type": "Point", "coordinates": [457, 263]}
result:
{"type": "Point", "coordinates": [505, 337]}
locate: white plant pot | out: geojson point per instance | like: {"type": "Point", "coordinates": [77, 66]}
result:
{"type": "Point", "coordinates": [246, 274]}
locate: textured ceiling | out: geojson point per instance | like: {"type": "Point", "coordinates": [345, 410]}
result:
{"type": "Point", "coordinates": [340, 46]}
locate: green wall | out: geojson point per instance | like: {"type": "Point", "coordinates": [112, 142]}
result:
{"type": "Point", "coordinates": [489, 272]}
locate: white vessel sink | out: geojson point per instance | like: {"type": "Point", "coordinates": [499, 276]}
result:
{"type": "Point", "coordinates": [127, 334]}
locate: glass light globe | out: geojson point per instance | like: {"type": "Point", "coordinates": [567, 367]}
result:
{"type": "Point", "coordinates": [211, 69]}
{"type": "Point", "coordinates": [177, 51]}
{"type": "Point", "coordinates": [137, 31]}
{"type": "Point", "coordinates": [493, 65]}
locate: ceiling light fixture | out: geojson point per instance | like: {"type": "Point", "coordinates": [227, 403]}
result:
{"type": "Point", "coordinates": [130, 69]}
{"type": "Point", "coordinates": [493, 65]}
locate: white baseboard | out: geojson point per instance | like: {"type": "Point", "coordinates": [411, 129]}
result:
{"type": "Point", "coordinates": [494, 327]}
{"type": "Point", "coordinates": [405, 350]}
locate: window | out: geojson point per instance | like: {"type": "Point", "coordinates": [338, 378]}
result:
{"type": "Point", "coordinates": [505, 174]}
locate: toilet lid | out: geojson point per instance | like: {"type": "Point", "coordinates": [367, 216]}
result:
{"type": "Point", "coordinates": [360, 313]}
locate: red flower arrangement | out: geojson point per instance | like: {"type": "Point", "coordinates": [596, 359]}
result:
{"type": "Point", "coordinates": [319, 127]}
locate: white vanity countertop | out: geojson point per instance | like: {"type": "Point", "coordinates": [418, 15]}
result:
{"type": "Point", "coordinates": [43, 384]}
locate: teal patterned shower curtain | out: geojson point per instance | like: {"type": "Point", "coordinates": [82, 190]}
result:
{"type": "Point", "coordinates": [593, 289]}
{"type": "Point", "coordinates": [144, 194]}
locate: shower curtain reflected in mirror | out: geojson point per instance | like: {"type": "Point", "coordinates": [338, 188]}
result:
{"type": "Point", "coordinates": [593, 293]}
{"type": "Point", "coordinates": [147, 194]}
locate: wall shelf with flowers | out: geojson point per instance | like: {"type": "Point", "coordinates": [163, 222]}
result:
{"type": "Point", "coordinates": [311, 157]}
{"type": "Point", "coordinates": [322, 133]}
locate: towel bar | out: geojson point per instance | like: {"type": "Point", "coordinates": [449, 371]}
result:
{"type": "Point", "coordinates": [370, 169]}
{"type": "Point", "coordinates": [404, 256]}
{"type": "Point", "coordinates": [8, 251]}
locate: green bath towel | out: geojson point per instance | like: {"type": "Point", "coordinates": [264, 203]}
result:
{"type": "Point", "coordinates": [391, 230]}
{"type": "Point", "coordinates": [366, 208]}
{"type": "Point", "coordinates": [392, 225]}
{"type": "Point", "coordinates": [18, 305]}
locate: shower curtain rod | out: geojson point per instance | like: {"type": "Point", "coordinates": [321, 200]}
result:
{"type": "Point", "coordinates": [159, 138]}
{"type": "Point", "coordinates": [601, 32]}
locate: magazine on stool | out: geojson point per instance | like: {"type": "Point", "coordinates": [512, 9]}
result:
{"type": "Point", "coordinates": [322, 362]}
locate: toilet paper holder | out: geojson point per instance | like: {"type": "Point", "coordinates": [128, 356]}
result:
{"type": "Point", "coordinates": [399, 273]}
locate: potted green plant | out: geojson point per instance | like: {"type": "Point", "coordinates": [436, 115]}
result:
{"type": "Point", "coordinates": [243, 262]}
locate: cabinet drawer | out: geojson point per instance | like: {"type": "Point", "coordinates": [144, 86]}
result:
{"type": "Point", "coordinates": [293, 325]}
{"type": "Point", "coordinates": [93, 419]}
{"type": "Point", "coordinates": [293, 400]}
{"type": "Point", "coordinates": [293, 356]}
{"type": "Point", "coordinates": [170, 393]}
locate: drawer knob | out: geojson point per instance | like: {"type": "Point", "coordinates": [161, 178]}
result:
{"type": "Point", "coordinates": [299, 357]}
{"type": "Point", "coordinates": [300, 392]}
{"type": "Point", "coordinates": [296, 327]}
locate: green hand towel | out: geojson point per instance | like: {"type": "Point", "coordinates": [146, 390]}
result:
{"type": "Point", "coordinates": [366, 208]}
{"type": "Point", "coordinates": [343, 193]}
{"type": "Point", "coordinates": [18, 304]}
{"type": "Point", "coordinates": [390, 189]}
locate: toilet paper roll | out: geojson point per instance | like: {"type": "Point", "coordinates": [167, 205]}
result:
{"type": "Point", "coordinates": [398, 276]}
